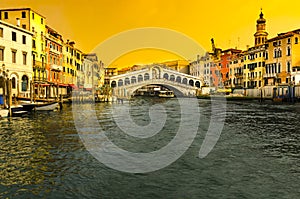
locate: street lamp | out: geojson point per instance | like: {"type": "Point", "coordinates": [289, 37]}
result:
{"type": "Point", "coordinates": [3, 72]}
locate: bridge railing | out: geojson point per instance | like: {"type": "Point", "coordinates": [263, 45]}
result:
{"type": "Point", "coordinates": [158, 81]}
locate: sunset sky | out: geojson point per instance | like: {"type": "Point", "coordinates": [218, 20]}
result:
{"type": "Point", "coordinates": [231, 23]}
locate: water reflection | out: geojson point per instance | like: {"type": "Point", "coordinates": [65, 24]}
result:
{"type": "Point", "coordinates": [23, 154]}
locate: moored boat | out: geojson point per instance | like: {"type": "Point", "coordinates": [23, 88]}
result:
{"type": "Point", "coordinates": [3, 113]}
{"type": "Point", "coordinates": [49, 106]}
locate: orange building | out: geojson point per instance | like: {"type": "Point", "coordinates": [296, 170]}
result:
{"type": "Point", "coordinates": [226, 57]}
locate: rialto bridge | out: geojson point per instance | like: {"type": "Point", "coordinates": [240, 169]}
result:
{"type": "Point", "coordinates": [181, 84]}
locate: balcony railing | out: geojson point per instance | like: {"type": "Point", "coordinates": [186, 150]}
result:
{"type": "Point", "coordinates": [39, 64]}
{"type": "Point", "coordinates": [270, 75]}
{"type": "Point", "coordinates": [56, 67]}
{"type": "Point", "coordinates": [238, 74]}
{"type": "Point", "coordinates": [39, 79]}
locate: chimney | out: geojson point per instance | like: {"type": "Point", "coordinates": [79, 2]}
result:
{"type": "Point", "coordinates": [18, 22]}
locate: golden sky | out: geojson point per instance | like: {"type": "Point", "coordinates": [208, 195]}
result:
{"type": "Point", "coordinates": [231, 23]}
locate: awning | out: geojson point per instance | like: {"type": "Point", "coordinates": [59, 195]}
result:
{"type": "Point", "coordinates": [73, 86]}
{"type": "Point", "coordinates": [42, 84]}
{"type": "Point", "coordinates": [88, 89]}
{"type": "Point", "coordinates": [63, 85]}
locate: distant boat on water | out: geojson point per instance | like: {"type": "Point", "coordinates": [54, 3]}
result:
{"type": "Point", "coordinates": [166, 94]}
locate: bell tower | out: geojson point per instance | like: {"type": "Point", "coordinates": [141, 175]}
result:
{"type": "Point", "coordinates": [261, 33]}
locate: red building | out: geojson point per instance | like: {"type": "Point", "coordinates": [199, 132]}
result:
{"type": "Point", "coordinates": [225, 60]}
{"type": "Point", "coordinates": [54, 56]}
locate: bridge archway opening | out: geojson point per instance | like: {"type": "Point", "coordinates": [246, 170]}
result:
{"type": "Point", "coordinates": [146, 76]}
{"type": "Point", "coordinates": [166, 76]}
{"type": "Point", "coordinates": [155, 73]}
{"type": "Point", "coordinates": [191, 82]}
{"type": "Point", "coordinates": [113, 84]}
{"type": "Point", "coordinates": [177, 92]}
{"type": "Point", "coordinates": [120, 82]}
{"type": "Point", "coordinates": [133, 79]}
{"type": "Point", "coordinates": [127, 81]}
{"type": "Point", "coordinates": [197, 84]}
{"type": "Point", "coordinates": [140, 78]}
{"type": "Point", "coordinates": [172, 78]}
{"type": "Point", "coordinates": [178, 79]}
{"type": "Point", "coordinates": [184, 80]}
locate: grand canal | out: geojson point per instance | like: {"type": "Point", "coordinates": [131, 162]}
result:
{"type": "Point", "coordinates": [257, 155]}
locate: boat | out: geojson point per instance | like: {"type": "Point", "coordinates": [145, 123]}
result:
{"type": "Point", "coordinates": [3, 113]}
{"type": "Point", "coordinates": [48, 106]}
{"type": "Point", "coordinates": [166, 94]}
{"type": "Point", "coordinates": [16, 111]}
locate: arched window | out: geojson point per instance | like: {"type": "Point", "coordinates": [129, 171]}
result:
{"type": "Point", "coordinates": [13, 83]}
{"type": "Point", "coordinates": [184, 80]}
{"type": "Point", "coordinates": [288, 67]}
{"type": "Point", "coordinates": [24, 83]}
{"type": "Point", "coordinates": [197, 84]}
{"type": "Point", "coordinates": [288, 51]}
{"type": "Point", "coordinates": [191, 82]}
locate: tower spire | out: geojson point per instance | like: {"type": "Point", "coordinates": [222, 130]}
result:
{"type": "Point", "coordinates": [261, 33]}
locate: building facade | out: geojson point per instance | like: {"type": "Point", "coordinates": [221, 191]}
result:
{"type": "Point", "coordinates": [283, 61]}
{"type": "Point", "coordinates": [32, 21]}
{"type": "Point", "coordinates": [15, 57]}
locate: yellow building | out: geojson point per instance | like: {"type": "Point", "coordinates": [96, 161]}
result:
{"type": "Point", "coordinates": [254, 57]}
{"type": "Point", "coordinates": [236, 67]}
{"type": "Point", "coordinates": [254, 67]}
{"type": "Point", "coordinates": [71, 63]}
{"type": "Point", "coordinates": [36, 23]}
{"type": "Point", "coordinates": [283, 59]}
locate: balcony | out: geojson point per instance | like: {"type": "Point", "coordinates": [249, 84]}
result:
{"type": "Point", "coordinates": [56, 67]}
{"type": "Point", "coordinates": [270, 75]}
{"type": "Point", "coordinates": [238, 75]}
{"type": "Point", "coordinates": [38, 64]}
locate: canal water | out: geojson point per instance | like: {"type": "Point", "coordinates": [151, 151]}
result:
{"type": "Point", "coordinates": [256, 156]}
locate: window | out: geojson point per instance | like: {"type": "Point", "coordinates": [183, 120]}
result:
{"type": "Point", "coordinates": [13, 36]}
{"type": "Point", "coordinates": [13, 83]}
{"type": "Point", "coordinates": [33, 44]}
{"type": "Point", "coordinates": [289, 40]}
{"type": "Point", "coordinates": [279, 69]}
{"type": "Point", "coordinates": [42, 21]}
{"type": "Point", "coordinates": [1, 53]}
{"type": "Point", "coordinates": [5, 15]}
{"type": "Point", "coordinates": [288, 67]}
{"type": "Point", "coordinates": [24, 83]}
{"type": "Point", "coordinates": [24, 58]}
{"type": "Point", "coordinates": [32, 15]}
{"type": "Point", "coordinates": [23, 26]}
{"type": "Point", "coordinates": [288, 51]}
{"type": "Point", "coordinates": [33, 59]}
{"type": "Point", "coordinates": [1, 32]}
{"type": "Point", "coordinates": [13, 56]}
{"type": "Point", "coordinates": [23, 39]}
{"type": "Point", "coordinates": [23, 14]}
{"type": "Point", "coordinates": [296, 40]}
